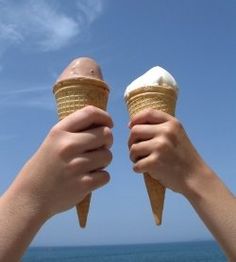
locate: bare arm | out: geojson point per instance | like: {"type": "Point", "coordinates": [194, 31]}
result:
{"type": "Point", "coordinates": [216, 206]}
{"type": "Point", "coordinates": [19, 222]}
{"type": "Point", "coordinates": [159, 146]}
{"type": "Point", "coordinates": [68, 165]}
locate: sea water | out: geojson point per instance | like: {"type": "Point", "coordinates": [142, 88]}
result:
{"type": "Point", "coordinates": [205, 251]}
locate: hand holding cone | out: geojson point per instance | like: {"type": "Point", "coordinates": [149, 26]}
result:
{"type": "Point", "coordinates": [156, 89]}
{"type": "Point", "coordinates": [80, 85]}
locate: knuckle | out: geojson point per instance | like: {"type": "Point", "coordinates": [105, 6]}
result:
{"type": "Point", "coordinates": [133, 152]}
{"type": "Point", "coordinates": [88, 182]}
{"type": "Point", "coordinates": [172, 130]}
{"type": "Point", "coordinates": [134, 131]}
{"type": "Point", "coordinates": [95, 180]}
{"type": "Point", "coordinates": [153, 161]}
{"type": "Point", "coordinates": [169, 129]}
{"type": "Point", "coordinates": [150, 112]}
{"type": "Point", "coordinates": [137, 168]}
{"type": "Point", "coordinates": [91, 110]}
{"type": "Point", "coordinates": [108, 137]}
{"type": "Point", "coordinates": [104, 177]}
{"type": "Point", "coordinates": [163, 145]}
{"type": "Point", "coordinates": [176, 124]}
{"type": "Point", "coordinates": [140, 166]}
{"type": "Point", "coordinates": [55, 132]}
{"type": "Point", "coordinates": [64, 148]}
{"type": "Point", "coordinates": [107, 157]}
{"type": "Point", "coordinates": [133, 149]}
{"type": "Point", "coordinates": [73, 167]}
{"type": "Point", "coordinates": [154, 158]}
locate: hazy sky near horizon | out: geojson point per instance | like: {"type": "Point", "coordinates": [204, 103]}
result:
{"type": "Point", "coordinates": [193, 39]}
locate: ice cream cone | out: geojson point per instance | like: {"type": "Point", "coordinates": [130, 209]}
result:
{"type": "Point", "coordinates": [73, 94]}
{"type": "Point", "coordinates": [161, 98]}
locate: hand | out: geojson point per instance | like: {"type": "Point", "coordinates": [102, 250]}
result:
{"type": "Point", "coordinates": [69, 164]}
{"type": "Point", "coordinates": [160, 147]}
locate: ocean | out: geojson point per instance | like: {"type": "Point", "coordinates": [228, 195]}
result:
{"type": "Point", "coordinates": [204, 251]}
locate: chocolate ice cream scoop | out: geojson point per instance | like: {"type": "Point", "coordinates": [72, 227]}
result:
{"type": "Point", "coordinates": [81, 67]}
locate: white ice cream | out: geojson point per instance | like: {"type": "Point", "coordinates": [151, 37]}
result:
{"type": "Point", "coordinates": [155, 76]}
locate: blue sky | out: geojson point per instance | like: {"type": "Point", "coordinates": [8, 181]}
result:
{"type": "Point", "coordinates": [194, 40]}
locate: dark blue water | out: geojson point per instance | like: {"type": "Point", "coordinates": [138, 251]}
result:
{"type": "Point", "coordinates": [205, 251]}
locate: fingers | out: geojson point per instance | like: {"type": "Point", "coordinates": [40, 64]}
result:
{"type": "Point", "coordinates": [89, 162]}
{"type": "Point", "coordinates": [150, 116]}
{"type": "Point", "coordinates": [156, 147]}
{"type": "Point", "coordinates": [146, 164]}
{"type": "Point", "coordinates": [96, 138]}
{"type": "Point", "coordinates": [154, 137]}
{"type": "Point", "coordinates": [85, 118]}
{"type": "Point", "coordinates": [158, 124]}
{"type": "Point", "coordinates": [140, 150]}
{"type": "Point", "coordinates": [94, 180]}
{"type": "Point", "coordinates": [141, 132]}
{"type": "Point", "coordinates": [91, 140]}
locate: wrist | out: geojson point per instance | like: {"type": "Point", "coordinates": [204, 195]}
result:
{"type": "Point", "coordinates": [199, 183]}
{"type": "Point", "coordinates": [20, 221]}
{"type": "Point", "coordinates": [30, 191]}
{"type": "Point", "coordinates": [24, 206]}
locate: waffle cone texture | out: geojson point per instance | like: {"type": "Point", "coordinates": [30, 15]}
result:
{"type": "Point", "coordinates": [160, 98]}
{"type": "Point", "coordinates": [74, 94]}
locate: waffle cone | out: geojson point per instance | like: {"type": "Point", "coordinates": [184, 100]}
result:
{"type": "Point", "coordinates": [74, 94]}
{"type": "Point", "coordinates": [160, 98]}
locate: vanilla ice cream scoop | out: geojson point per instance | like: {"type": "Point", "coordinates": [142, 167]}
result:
{"type": "Point", "coordinates": [155, 76]}
{"type": "Point", "coordinates": [157, 90]}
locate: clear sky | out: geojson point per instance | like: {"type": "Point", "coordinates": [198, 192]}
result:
{"type": "Point", "coordinates": [193, 39]}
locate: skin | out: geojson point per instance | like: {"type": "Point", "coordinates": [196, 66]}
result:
{"type": "Point", "coordinates": [160, 146]}
{"type": "Point", "coordinates": [68, 165]}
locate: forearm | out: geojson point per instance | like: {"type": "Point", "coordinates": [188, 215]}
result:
{"type": "Point", "coordinates": [19, 222]}
{"type": "Point", "coordinates": [216, 206]}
